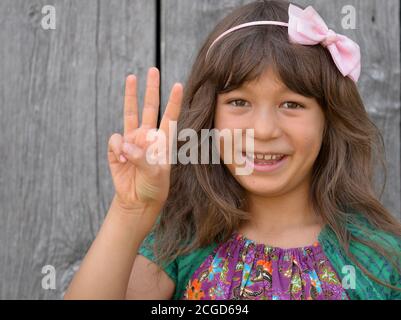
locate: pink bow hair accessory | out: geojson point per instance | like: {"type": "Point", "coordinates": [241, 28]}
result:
{"type": "Point", "coordinates": [306, 27]}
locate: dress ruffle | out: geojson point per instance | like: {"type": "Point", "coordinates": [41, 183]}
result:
{"type": "Point", "coordinates": [242, 269]}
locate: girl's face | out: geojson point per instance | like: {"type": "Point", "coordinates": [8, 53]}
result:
{"type": "Point", "coordinates": [284, 122]}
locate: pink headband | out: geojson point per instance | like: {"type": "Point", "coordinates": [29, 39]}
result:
{"type": "Point", "coordinates": [306, 27]}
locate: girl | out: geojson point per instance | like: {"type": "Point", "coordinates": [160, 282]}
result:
{"type": "Point", "coordinates": [305, 224]}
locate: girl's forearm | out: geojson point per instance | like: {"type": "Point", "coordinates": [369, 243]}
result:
{"type": "Point", "coordinates": [106, 268]}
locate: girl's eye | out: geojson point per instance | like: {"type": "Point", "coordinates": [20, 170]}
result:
{"type": "Point", "coordinates": [292, 105]}
{"type": "Point", "coordinates": [289, 104]}
{"type": "Point", "coordinates": [238, 100]}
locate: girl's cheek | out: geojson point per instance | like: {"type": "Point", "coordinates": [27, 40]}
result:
{"type": "Point", "coordinates": [309, 145]}
{"type": "Point", "coordinates": [231, 122]}
{"type": "Point", "coordinates": [226, 117]}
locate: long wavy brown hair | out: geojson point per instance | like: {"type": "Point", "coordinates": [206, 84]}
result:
{"type": "Point", "coordinates": [206, 204]}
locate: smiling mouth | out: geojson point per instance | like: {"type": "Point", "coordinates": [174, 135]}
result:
{"type": "Point", "coordinates": [263, 165]}
{"type": "Point", "coordinates": [259, 159]}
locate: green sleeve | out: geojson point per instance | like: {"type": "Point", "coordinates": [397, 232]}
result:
{"type": "Point", "coordinates": [366, 288]}
{"type": "Point", "coordinates": [385, 270]}
{"type": "Point", "coordinates": [397, 282]}
{"type": "Point", "coordinates": [395, 278]}
{"type": "Point", "coordinates": [181, 269]}
{"type": "Point", "coordinates": [147, 250]}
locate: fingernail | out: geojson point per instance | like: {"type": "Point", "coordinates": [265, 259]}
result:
{"type": "Point", "coordinates": [131, 77]}
{"type": "Point", "coordinates": [122, 159]}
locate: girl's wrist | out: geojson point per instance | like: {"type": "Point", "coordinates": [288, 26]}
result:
{"type": "Point", "coordinates": [142, 215]}
{"type": "Point", "coordinates": [119, 206]}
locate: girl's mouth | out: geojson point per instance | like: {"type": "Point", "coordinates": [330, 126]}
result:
{"type": "Point", "coordinates": [259, 163]}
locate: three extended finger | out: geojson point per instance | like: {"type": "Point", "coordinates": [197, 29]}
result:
{"type": "Point", "coordinates": [152, 99]}
{"type": "Point", "coordinates": [173, 108]}
{"type": "Point", "coordinates": [130, 105]}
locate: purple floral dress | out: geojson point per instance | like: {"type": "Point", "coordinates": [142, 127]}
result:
{"type": "Point", "coordinates": [243, 269]}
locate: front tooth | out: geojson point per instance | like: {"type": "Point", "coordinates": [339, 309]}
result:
{"type": "Point", "coordinates": [272, 157]}
{"type": "Point", "coordinates": [259, 156]}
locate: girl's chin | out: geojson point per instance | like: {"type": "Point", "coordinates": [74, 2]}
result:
{"type": "Point", "coordinates": [262, 189]}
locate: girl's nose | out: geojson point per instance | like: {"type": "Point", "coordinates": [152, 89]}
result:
{"type": "Point", "coordinates": [266, 125]}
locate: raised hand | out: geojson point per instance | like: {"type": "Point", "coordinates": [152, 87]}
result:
{"type": "Point", "coordinates": [138, 183]}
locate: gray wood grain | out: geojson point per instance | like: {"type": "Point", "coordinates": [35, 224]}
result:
{"type": "Point", "coordinates": [186, 25]}
{"type": "Point", "coordinates": [61, 95]}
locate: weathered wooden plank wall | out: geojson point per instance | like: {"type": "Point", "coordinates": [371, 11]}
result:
{"type": "Point", "coordinates": [61, 98]}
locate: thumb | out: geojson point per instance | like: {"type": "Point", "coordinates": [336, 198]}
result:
{"type": "Point", "coordinates": [136, 155]}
